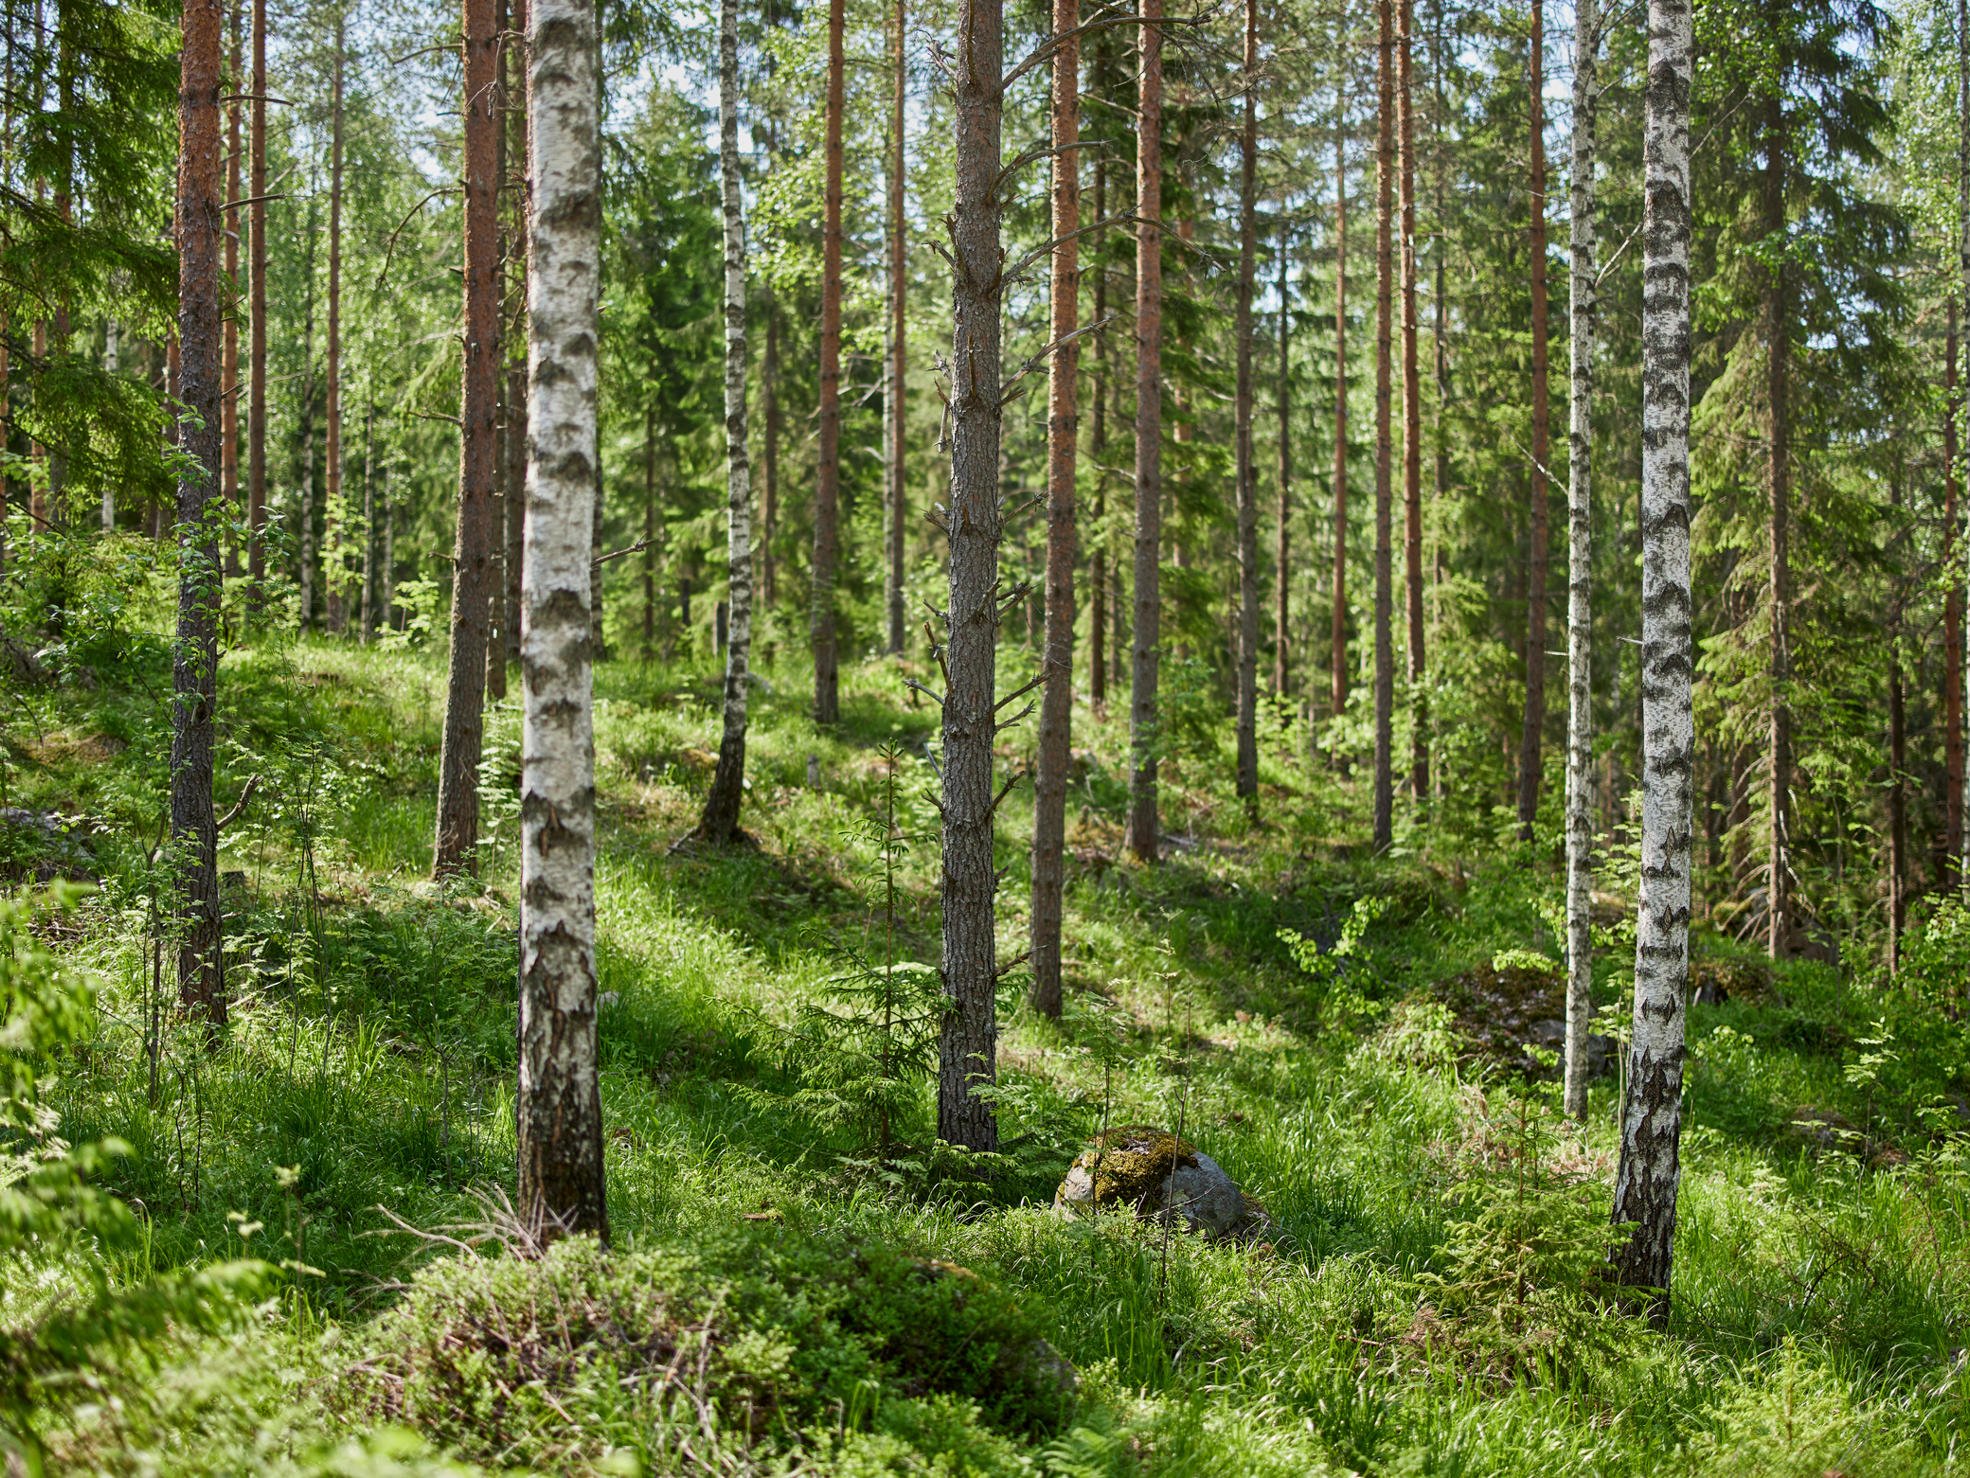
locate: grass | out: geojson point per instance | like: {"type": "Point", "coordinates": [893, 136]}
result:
{"type": "Point", "coordinates": [1822, 1281]}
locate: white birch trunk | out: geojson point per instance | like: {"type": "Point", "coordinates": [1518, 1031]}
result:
{"type": "Point", "coordinates": [1579, 606]}
{"type": "Point", "coordinates": [559, 1108]}
{"type": "Point", "coordinates": [1645, 1184]}
{"type": "Point", "coordinates": [721, 816]}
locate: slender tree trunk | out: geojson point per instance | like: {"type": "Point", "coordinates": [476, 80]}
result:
{"type": "Point", "coordinates": [1440, 480]}
{"type": "Point", "coordinates": [1778, 483]}
{"type": "Point", "coordinates": [113, 365]}
{"type": "Point", "coordinates": [1651, 1123]}
{"type": "Point", "coordinates": [1143, 738]}
{"type": "Point", "coordinates": [1538, 556]}
{"type": "Point", "coordinates": [1283, 387]}
{"type": "Point", "coordinates": [827, 482]}
{"type": "Point", "coordinates": [368, 626]}
{"type": "Point", "coordinates": [898, 360]}
{"type": "Point", "coordinates": [472, 585]}
{"type": "Point", "coordinates": [1385, 166]}
{"type": "Point", "coordinates": [516, 174]}
{"type": "Point", "coordinates": [309, 541]}
{"type": "Point", "coordinates": [1412, 415]}
{"type": "Point", "coordinates": [649, 555]}
{"type": "Point", "coordinates": [195, 656]}
{"type": "Point", "coordinates": [1247, 779]}
{"type": "Point", "coordinates": [1897, 757]}
{"type": "Point", "coordinates": [769, 451]}
{"type": "Point", "coordinates": [720, 822]}
{"type": "Point", "coordinates": [1952, 615]}
{"type": "Point", "coordinates": [1580, 570]}
{"type": "Point", "coordinates": [968, 1051]}
{"type": "Point", "coordinates": [559, 1105]}
{"type": "Point", "coordinates": [229, 349]}
{"type": "Point", "coordinates": [256, 373]}
{"type": "Point", "coordinates": [1097, 454]}
{"type": "Point", "coordinates": [495, 679]}
{"type": "Point", "coordinates": [1063, 427]}
{"type": "Point", "coordinates": [1953, 676]}
{"type": "Point", "coordinates": [335, 572]}
{"type": "Point", "coordinates": [386, 577]}
{"type": "Point", "coordinates": [1338, 637]}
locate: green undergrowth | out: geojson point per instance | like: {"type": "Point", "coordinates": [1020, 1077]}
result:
{"type": "Point", "coordinates": [792, 1290]}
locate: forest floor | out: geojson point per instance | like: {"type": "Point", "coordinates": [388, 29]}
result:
{"type": "Point", "coordinates": [1422, 1297]}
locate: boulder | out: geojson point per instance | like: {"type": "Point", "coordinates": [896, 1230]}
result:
{"type": "Point", "coordinates": [1157, 1176]}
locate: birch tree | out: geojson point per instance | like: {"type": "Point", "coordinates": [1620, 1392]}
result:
{"type": "Point", "coordinates": [1057, 694]}
{"type": "Point", "coordinates": [720, 822]}
{"type": "Point", "coordinates": [1651, 1121]}
{"type": "Point", "coordinates": [968, 1046]}
{"type": "Point", "coordinates": [559, 1105]}
{"type": "Point", "coordinates": [473, 586]}
{"type": "Point", "coordinates": [195, 655]}
{"type": "Point", "coordinates": [1580, 534]}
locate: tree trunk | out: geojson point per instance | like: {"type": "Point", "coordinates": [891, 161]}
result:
{"type": "Point", "coordinates": [1778, 484]}
{"type": "Point", "coordinates": [1538, 557]}
{"type": "Point", "coordinates": [1953, 571]}
{"type": "Point", "coordinates": [516, 172]}
{"type": "Point", "coordinates": [827, 481]}
{"type": "Point", "coordinates": [1385, 164]}
{"type": "Point", "coordinates": [720, 822]}
{"type": "Point", "coordinates": [335, 571]}
{"type": "Point", "coordinates": [559, 1106]}
{"type": "Point", "coordinates": [1057, 663]}
{"type": "Point", "coordinates": [769, 451]}
{"type": "Point", "coordinates": [1952, 616]}
{"type": "Point", "coordinates": [1282, 534]}
{"type": "Point", "coordinates": [968, 1050]}
{"type": "Point", "coordinates": [1337, 649]}
{"type": "Point", "coordinates": [1247, 779]}
{"type": "Point", "coordinates": [649, 555]}
{"type": "Point", "coordinates": [310, 547]}
{"type": "Point", "coordinates": [1897, 755]}
{"type": "Point", "coordinates": [368, 619]}
{"type": "Point", "coordinates": [1651, 1122]}
{"type": "Point", "coordinates": [1412, 416]}
{"type": "Point", "coordinates": [472, 585]}
{"type": "Point", "coordinates": [256, 352]}
{"type": "Point", "coordinates": [495, 678]}
{"type": "Point", "coordinates": [1143, 740]}
{"type": "Point", "coordinates": [1097, 454]}
{"type": "Point", "coordinates": [1580, 571]}
{"type": "Point", "coordinates": [229, 350]}
{"type": "Point", "coordinates": [195, 657]}
{"type": "Point", "coordinates": [894, 399]}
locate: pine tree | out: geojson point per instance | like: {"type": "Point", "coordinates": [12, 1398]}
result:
{"type": "Point", "coordinates": [1143, 739]}
{"type": "Point", "coordinates": [1384, 306]}
{"type": "Point", "coordinates": [895, 421]}
{"type": "Point", "coordinates": [1247, 723]}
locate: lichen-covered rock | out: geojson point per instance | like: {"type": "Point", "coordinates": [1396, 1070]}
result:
{"type": "Point", "coordinates": [1156, 1175]}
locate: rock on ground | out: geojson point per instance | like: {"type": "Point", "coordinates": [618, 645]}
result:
{"type": "Point", "coordinates": [1156, 1175]}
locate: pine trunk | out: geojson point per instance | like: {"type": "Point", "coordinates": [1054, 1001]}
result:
{"type": "Point", "coordinates": [1337, 649]}
{"type": "Point", "coordinates": [1651, 1121]}
{"type": "Point", "coordinates": [1247, 779]}
{"type": "Point", "coordinates": [968, 1050]}
{"type": "Point", "coordinates": [1538, 556]}
{"type": "Point", "coordinates": [1097, 453]}
{"type": "Point", "coordinates": [495, 680]}
{"type": "Point", "coordinates": [518, 172]}
{"type": "Point", "coordinates": [1385, 163]}
{"type": "Point", "coordinates": [472, 586]}
{"type": "Point", "coordinates": [334, 570]}
{"type": "Point", "coordinates": [1778, 484]}
{"type": "Point", "coordinates": [894, 401]}
{"type": "Point", "coordinates": [1283, 388]}
{"type": "Point", "coordinates": [368, 616]}
{"type": "Point", "coordinates": [229, 350]}
{"type": "Point", "coordinates": [1953, 573]}
{"type": "Point", "coordinates": [1057, 662]}
{"type": "Point", "coordinates": [256, 351]}
{"type": "Point", "coordinates": [559, 1105]}
{"type": "Point", "coordinates": [1147, 652]}
{"type": "Point", "coordinates": [1412, 415]}
{"type": "Point", "coordinates": [1897, 758]}
{"type": "Point", "coordinates": [195, 656]}
{"type": "Point", "coordinates": [1579, 597]}
{"type": "Point", "coordinates": [720, 822]}
{"type": "Point", "coordinates": [827, 481]}
{"type": "Point", "coordinates": [1952, 613]}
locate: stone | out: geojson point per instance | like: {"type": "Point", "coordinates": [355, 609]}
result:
{"type": "Point", "coordinates": [1156, 1175]}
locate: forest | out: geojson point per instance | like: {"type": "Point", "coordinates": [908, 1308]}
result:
{"type": "Point", "coordinates": [1075, 737]}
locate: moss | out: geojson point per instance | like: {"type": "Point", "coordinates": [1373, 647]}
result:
{"type": "Point", "coordinates": [1130, 1165]}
